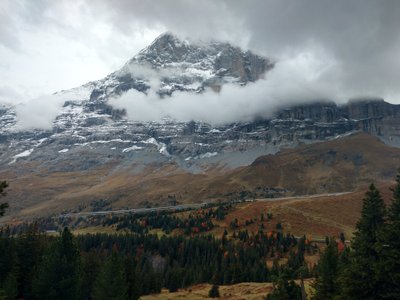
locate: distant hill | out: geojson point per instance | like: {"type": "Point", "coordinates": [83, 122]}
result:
{"type": "Point", "coordinates": [336, 165]}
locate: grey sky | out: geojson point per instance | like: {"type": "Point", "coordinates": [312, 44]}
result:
{"type": "Point", "coordinates": [353, 45]}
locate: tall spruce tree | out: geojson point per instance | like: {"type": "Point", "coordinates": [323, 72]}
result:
{"type": "Point", "coordinates": [325, 284]}
{"type": "Point", "coordinates": [110, 283]}
{"type": "Point", "coordinates": [214, 291]}
{"type": "Point", "coordinates": [388, 248]}
{"type": "Point", "coordinates": [285, 289]}
{"type": "Point", "coordinates": [30, 247]}
{"type": "Point", "coordinates": [358, 280]}
{"type": "Point", "coordinates": [58, 275]}
{"type": "Point", "coordinates": [3, 206]}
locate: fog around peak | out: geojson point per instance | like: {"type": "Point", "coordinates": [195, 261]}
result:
{"type": "Point", "coordinates": [297, 80]}
{"type": "Point", "coordinates": [335, 49]}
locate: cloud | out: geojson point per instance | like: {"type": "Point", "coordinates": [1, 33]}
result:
{"type": "Point", "coordinates": [39, 113]}
{"type": "Point", "coordinates": [8, 95]}
{"type": "Point", "coordinates": [54, 45]}
{"type": "Point", "coordinates": [362, 36]}
{"type": "Point", "coordinates": [300, 78]}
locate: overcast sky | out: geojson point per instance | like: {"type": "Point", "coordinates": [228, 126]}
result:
{"type": "Point", "coordinates": [353, 45]}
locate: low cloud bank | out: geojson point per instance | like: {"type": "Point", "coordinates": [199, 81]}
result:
{"type": "Point", "coordinates": [302, 78]}
{"type": "Point", "coordinates": [39, 113]}
{"type": "Point", "coordinates": [296, 79]}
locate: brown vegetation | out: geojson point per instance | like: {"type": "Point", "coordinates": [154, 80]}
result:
{"type": "Point", "coordinates": [345, 164]}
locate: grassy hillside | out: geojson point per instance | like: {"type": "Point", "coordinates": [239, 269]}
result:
{"type": "Point", "coordinates": [339, 165]}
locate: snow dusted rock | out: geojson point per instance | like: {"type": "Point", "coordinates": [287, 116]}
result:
{"type": "Point", "coordinates": [170, 65]}
{"type": "Point", "coordinates": [88, 131]}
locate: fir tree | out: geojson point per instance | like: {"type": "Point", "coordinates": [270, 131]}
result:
{"type": "Point", "coordinates": [10, 286]}
{"type": "Point", "coordinates": [358, 280]}
{"type": "Point", "coordinates": [30, 247]}
{"type": "Point", "coordinates": [325, 284]}
{"type": "Point", "coordinates": [3, 206]}
{"type": "Point", "coordinates": [111, 284]}
{"type": "Point", "coordinates": [214, 291]}
{"type": "Point", "coordinates": [132, 279]}
{"type": "Point", "coordinates": [388, 248]}
{"type": "Point", "coordinates": [173, 280]}
{"type": "Point", "coordinates": [90, 269]}
{"type": "Point", "coordinates": [58, 275]}
{"type": "Point", "coordinates": [285, 290]}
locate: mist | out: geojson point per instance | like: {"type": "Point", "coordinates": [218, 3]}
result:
{"type": "Point", "coordinates": [298, 79]}
{"type": "Point", "coordinates": [324, 49]}
{"type": "Point", "coordinates": [39, 113]}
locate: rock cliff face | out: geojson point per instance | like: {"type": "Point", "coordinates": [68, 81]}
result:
{"type": "Point", "coordinates": [174, 65]}
{"type": "Point", "coordinates": [89, 132]}
{"type": "Point", "coordinates": [373, 116]}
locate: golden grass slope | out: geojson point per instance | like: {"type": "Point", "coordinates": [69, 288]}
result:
{"type": "Point", "coordinates": [339, 165]}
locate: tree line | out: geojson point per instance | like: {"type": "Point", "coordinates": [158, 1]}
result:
{"type": "Point", "coordinates": [34, 265]}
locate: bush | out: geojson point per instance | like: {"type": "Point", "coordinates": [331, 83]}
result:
{"type": "Point", "coordinates": [214, 292]}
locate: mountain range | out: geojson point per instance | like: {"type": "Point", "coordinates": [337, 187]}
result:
{"type": "Point", "coordinates": [93, 153]}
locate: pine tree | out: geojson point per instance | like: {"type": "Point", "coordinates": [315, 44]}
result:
{"type": "Point", "coordinates": [132, 279]}
{"type": "Point", "coordinates": [3, 206]}
{"type": "Point", "coordinates": [214, 291]}
{"type": "Point", "coordinates": [173, 280]}
{"type": "Point", "coordinates": [10, 286]}
{"type": "Point", "coordinates": [58, 275]}
{"type": "Point", "coordinates": [285, 290]}
{"type": "Point", "coordinates": [110, 283]}
{"type": "Point", "coordinates": [30, 247]}
{"type": "Point", "coordinates": [325, 284]}
{"type": "Point", "coordinates": [388, 248]}
{"type": "Point", "coordinates": [3, 295]}
{"type": "Point", "coordinates": [90, 269]}
{"type": "Point", "coordinates": [358, 280]}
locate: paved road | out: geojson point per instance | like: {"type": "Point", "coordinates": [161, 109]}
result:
{"type": "Point", "coordinates": [184, 206]}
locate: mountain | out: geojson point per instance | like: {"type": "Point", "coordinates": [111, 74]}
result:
{"type": "Point", "coordinates": [93, 152]}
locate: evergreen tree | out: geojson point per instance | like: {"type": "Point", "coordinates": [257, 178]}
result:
{"type": "Point", "coordinates": [3, 295]}
{"type": "Point", "coordinates": [132, 279]}
{"type": "Point", "coordinates": [325, 284]}
{"type": "Point", "coordinates": [388, 248]}
{"type": "Point", "coordinates": [58, 275]}
{"type": "Point", "coordinates": [214, 291]}
{"type": "Point", "coordinates": [10, 286]}
{"type": "Point", "coordinates": [30, 247]}
{"type": "Point", "coordinates": [173, 282]}
{"type": "Point", "coordinates": [285, 290]}
{"type": "Point", "coordinates": [110, 283]}
{"type": "Point", "coordinates": [3, 206]}
{"type": "Point", "coordinates": [358, 280]}
{"type": "Point", "coordinates": [90, 269]}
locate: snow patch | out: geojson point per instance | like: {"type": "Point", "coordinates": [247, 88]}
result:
{"type": "Point", "coordinates": [26, 153]}
{"type": "Point", "coordinates": [208, 155]}
{"type": "Point", "coordinates": [133, 148]}
{"type": "Point", "coordinates": [161, 147]}
{"type": "Point", "coordinates": [214, 131]}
